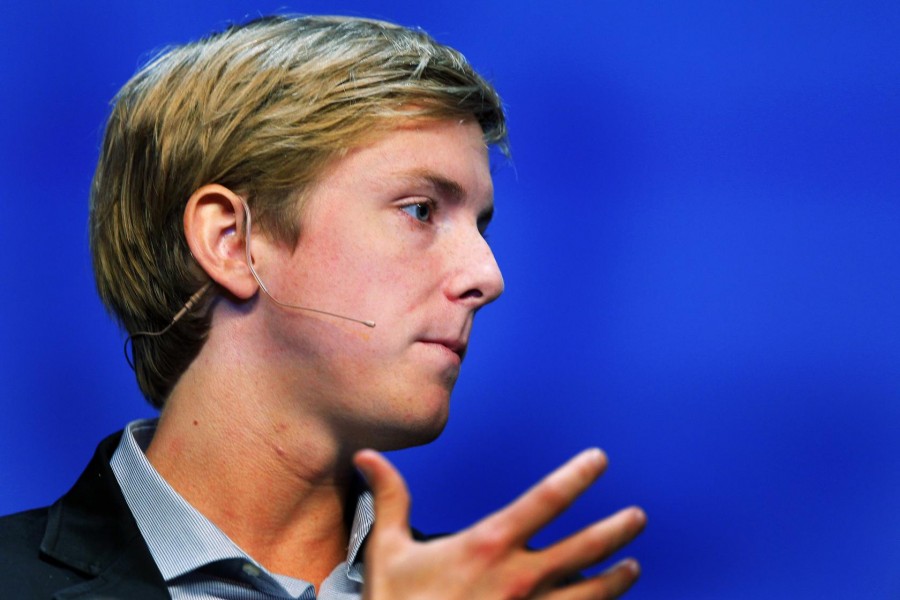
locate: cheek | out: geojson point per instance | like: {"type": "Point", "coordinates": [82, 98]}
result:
{"type": "Point", "coordinates": [411, 277]}
{"type": "Point", "coordinates": [324, 265]}
{"type": "Point", "coordinates": [377, 272]}
{"type": "Point", "coordinates": [389, 264]}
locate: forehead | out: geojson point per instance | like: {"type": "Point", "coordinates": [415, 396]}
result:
{"type": "Point", "coordinates": [449, 156]}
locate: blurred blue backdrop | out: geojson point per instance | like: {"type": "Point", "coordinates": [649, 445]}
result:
{"type": "Point", "coordinates": [700, 235]}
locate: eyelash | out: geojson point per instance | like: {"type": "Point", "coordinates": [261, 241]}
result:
{"type": "Point", "coordinates": [430, 205]}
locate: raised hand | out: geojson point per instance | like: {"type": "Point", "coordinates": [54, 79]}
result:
{"type": "Point", "coordinates": [489, 560]}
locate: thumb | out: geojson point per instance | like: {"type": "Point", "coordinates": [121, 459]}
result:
{"type": "Point", "coordinates": [392, 500]}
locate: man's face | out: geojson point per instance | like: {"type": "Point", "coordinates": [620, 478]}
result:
{"type": "Point", "coordinates": [393, 233]}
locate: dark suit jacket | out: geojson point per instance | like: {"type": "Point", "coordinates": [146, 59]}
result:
{"type": "Point", "coordinates": [86, 545]}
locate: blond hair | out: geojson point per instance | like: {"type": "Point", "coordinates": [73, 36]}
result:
{"type": "Point", "coordinates": [260, 108]}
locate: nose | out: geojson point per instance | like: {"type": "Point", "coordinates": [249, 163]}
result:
{"type": "Point", "coordinates": [476, 278]}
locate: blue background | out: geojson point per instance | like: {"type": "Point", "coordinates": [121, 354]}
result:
{"type": "Point", "coordinates": [700, 235]}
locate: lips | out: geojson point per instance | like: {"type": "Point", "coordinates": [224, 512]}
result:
{"type": "Point", "coordinates": [455, 346]}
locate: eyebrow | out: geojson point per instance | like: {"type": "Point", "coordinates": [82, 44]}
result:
{"type": "Point", "coordinates": [442, 185]}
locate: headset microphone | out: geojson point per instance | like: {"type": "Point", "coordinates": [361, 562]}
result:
{"type": "Point", "coordinates": [263, 287]}
{"type": "Point", "coordinates": [199, 294]}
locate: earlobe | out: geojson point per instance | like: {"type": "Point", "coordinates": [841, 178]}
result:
{"type": "Point", "coordinates": [213, 220]}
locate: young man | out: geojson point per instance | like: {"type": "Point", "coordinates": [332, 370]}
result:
{"type": "Point", "coordinates": [288, 219]}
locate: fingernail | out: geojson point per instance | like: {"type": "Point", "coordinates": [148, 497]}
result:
{"type": "Point", "coordinates": [632, 566]}
{"type": "Point", "coordinates": [595, 455]}
{"type": "Point", "coordinates": [640, 516]}
{"type": "Point", "coordinates": [363, 470]}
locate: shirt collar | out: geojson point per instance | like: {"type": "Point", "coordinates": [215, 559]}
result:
{"type": "Point", "coordinates": [363, 520]}
{"type": "Point", "coordinates": [182, 540]}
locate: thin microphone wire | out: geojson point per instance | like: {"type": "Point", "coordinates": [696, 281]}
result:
{"type": "Point", "coordinates": [266, 290]}
{"type": "Point", "coordinates": [184, 310]}
{"type": "Point", "coordinates": [192, 301]}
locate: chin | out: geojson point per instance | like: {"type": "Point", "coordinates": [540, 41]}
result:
{"type": "Point", "coordinates": [425, 435]}
{"type": "Point", "coordinates": [401, 418]}
{"type": "Point", "coordinates": [413, 429]}
{"type": "Point", "coordinates": [417, 433]}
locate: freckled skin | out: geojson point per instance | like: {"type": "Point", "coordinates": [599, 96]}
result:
{"type": "Point", "coordinates": [371, 249]}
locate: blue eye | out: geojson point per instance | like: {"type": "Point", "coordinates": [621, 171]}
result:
{"type": "Point", "coordinates": [421, 211]}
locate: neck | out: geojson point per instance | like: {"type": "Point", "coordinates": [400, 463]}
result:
{"type": "Point", "coordinates": [279, 487]}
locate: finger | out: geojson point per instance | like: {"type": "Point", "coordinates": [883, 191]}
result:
{"type": "Point", "coordinates": [389, 490]}
{"type": "Point", "coordinates": [550, 497]}
{"type": "Point", "coordinates": [610, 584]}
{"type": "Point", "coordinates": [595, 543]}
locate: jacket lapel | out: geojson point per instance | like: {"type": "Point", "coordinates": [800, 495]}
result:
{"type": "Point", "coordinates": [92, 531]}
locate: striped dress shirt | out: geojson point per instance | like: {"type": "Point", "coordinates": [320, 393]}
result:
{"type": "Point", "coordinates": [196, 559]}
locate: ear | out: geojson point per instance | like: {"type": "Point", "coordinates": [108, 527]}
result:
{"type": "Point", "coordinates": [214, 219]}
